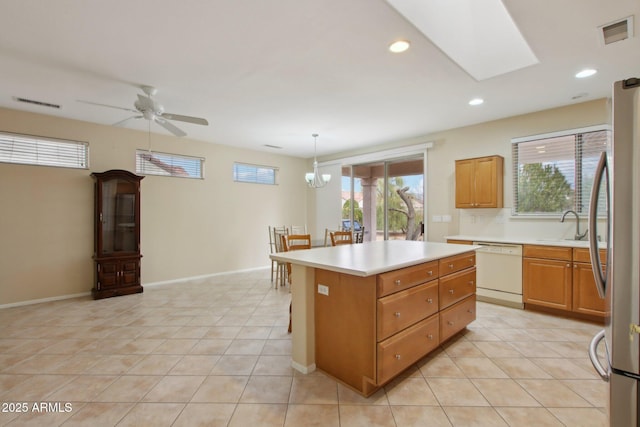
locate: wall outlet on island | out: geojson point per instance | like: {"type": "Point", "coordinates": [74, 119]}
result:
{"type": "Point", "coordinates": [323, 289]}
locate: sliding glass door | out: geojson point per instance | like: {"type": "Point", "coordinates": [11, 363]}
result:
{"type": "Point", "coordinates": [385, 198]}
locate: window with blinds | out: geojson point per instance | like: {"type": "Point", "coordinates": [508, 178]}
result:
{"type": "Point", "coordinates": [254, 174]}
{"type": "Point", "coordinates": [165, 164]}
{"type": "Point", "coordinates": [554, 172]}
{"type": "Point", "coordinates": [42, 151]}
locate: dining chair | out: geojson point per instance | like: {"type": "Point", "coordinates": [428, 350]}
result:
{"type": "Point", "coordinates": [341, 238]}
{"type": "Point", "coordinates": [298, 229]}
{"type": "Point", "coordinates": [275, 246]}
{"type": "Point", "coordinates": [327, 236]}
{"type": "Point", "coordinates": [358, 236]}
{"type": "Point", "coordinates": [294, 242]}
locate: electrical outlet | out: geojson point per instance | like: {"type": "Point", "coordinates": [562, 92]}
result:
{"type": "Point", "coordinates": [323, 289]}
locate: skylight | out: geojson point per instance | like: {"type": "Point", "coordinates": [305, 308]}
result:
{"type": "Point", "coordinates": [479, 35]}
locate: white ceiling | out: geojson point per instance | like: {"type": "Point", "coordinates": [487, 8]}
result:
{"type": "Point", "coordinates": [276, 71]}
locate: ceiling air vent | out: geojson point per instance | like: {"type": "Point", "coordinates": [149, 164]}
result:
{"type": "Point", "coordinates": [34, 102]}
{"type": "Point", "coordinates": [617, 31]}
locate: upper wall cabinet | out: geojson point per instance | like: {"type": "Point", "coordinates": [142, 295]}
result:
{"type": "Point", "coordinates": [479, 182]}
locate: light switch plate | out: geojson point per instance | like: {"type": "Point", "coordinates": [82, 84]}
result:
{"type": "Point", "coordinates": [323, 289]}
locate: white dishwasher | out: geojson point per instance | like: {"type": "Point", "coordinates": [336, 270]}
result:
{"type": "Point", "coordinates": [499, 273]}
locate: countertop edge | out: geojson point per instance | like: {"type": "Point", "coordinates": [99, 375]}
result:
{"type": "Point", "coordinates": [311, 257]}
{"type": "Point", "coordinates": [526, 241]}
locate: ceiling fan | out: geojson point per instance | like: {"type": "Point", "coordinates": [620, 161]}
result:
{"type": "Point", "coordinates": [146, 107]}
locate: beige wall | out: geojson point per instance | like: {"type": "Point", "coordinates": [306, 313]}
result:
{"type": "Point", "coordinates": [495, 138]}
{"type": "Point", "coordinates": [189, 227]}
{"type": "Point", "coordinates": [201, 227]}
{"type": "Point", "coordinates": [487, 139]}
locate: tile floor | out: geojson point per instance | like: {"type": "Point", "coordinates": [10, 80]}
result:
{"type": "Point", "coordinates": [216, 352]}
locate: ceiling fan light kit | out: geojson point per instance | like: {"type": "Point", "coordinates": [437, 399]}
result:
{"type": "Point", "coordinates": [146, 107]}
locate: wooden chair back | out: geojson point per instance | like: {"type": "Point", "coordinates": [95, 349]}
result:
{"type": "Point", "coordinates": [341, 238]}
{"type": "Point", "coordinates": [294, 242]}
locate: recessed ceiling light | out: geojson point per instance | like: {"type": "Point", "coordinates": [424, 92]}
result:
{"type": "Point", "coordinates": [399, 46]}
{"type": "Point", "coordinates": [587, 72]}
{"type": "Point", "coordinates": [476, 101]}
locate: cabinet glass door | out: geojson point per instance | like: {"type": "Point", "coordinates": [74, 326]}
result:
{"type": "Point", "coordinates": [118, 216]}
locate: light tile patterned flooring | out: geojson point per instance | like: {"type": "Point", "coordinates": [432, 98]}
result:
{"type": "Point", "coordinates": [216, 352]}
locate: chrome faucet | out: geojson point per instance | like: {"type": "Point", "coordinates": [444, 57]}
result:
{"type": "Point", "coordinates": [577, 236]}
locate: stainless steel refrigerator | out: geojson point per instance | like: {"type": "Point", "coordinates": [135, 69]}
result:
{"type": "Point", "coordinates": [618, 180]}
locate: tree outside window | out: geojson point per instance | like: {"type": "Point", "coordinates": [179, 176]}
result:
{"type": "Point", "coordinates": [554, 174]}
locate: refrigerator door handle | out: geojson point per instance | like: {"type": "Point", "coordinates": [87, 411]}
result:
{"type": "Point", "coordinates": [600, 277]}
{"type": "Point", "coordinates": [593, 355]}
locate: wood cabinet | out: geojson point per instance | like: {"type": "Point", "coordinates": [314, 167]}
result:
{"type": "Point", "coordinates": [117, 234]}
{"type": "Point", "coordinates": [586, 299]}
{"type": "Point", "coordinates": [370, 329]}
{"type": "Point", "coordinates": [479, 182]}
{"type": "Point", "coordinates": [560, 278]}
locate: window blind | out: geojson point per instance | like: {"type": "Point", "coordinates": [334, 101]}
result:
{"type": "Point", "coordinates": [254, 174]}
{"type": "Point", "coordinates": [555, 173]}
{"type": "Point", "coordinates": [165, 164]}
{"type": "Point", "coordinates": [43, 151]}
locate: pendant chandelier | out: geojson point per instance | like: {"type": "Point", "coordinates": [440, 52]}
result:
{"type": "Point", "coordinates": [315, 179]}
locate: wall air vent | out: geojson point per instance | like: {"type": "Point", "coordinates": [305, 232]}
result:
{"type": "Point", "coordinates": [273, 146]}
{"type": "Point", "coordinates": [617, 31]}
{"type": "Point", "coordinates": [34, 102]}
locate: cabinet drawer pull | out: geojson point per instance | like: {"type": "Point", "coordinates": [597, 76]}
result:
{"type": "Point", "coordinates": [430, 336]}
{"type": "Point", "coordinates": [471, 282]}
{"type": "Point", "coordinates": [471, 260]}
{"type": "Point", "coordinates": [450, 265]}
{"type": "Point", "coordinates": [397, 314]}
{"type": "Point", "coordinates": [470, 311]}
{"type": "Point", "coordinates": [451, 291]}
{"type": "Point", "coordinates": [429, 273]}
{"type": "Point", "coordinates": [568, 265]}
{"type": "Point", "coordinates": [430, 300]}
{"type": "Point", "coordinates": [397, 282]}
{"type": "Point", "coordinates": [397, 357]}
{"type": "Point", "coordinates": [450, 323]}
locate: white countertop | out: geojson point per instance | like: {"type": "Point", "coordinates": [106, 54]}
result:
{"type": "Point", "coordinates": [369, 258]}
{"type": "Point", "coordinates": [526, 241]}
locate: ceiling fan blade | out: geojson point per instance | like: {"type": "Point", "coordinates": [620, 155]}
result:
{"type": "Point", "coordinates": [170, 127]}
{"type": "Point", "coordinates": [106, 105]}
{"type": "Point", "coordinates": [122, 122]}
{"type": "Point", "coordinates": [188, 119]}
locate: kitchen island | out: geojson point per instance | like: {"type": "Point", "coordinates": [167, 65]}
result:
{"type": "Point", "coordinates": [363, 313]}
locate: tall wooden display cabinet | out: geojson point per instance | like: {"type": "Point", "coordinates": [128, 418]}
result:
{"type": "Point", "coordinates": [117, 234]}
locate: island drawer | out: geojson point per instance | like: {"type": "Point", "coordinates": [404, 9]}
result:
{"type": "Point", "coordinates": [456, 263]}
{"type": "Point", "coordinates": [455, 318]}
{"type": "Point", "coordinates": [457, 286]}
{"type": "Point", "coordinates": [405, 348]}
{"type": "Point", "coordinates": [403, 309]}
{"type": "Point", "coordinates": [398, 280]}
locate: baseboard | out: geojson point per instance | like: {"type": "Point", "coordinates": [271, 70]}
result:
{"type": "Point", "coordinates": [41, 300]}
{"type": "Point", "coordinates": [151, 284]}
{"type": "Point", "coordinates": [304, 369]}
{"type": "Point", "coordinates": [200, 277]}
